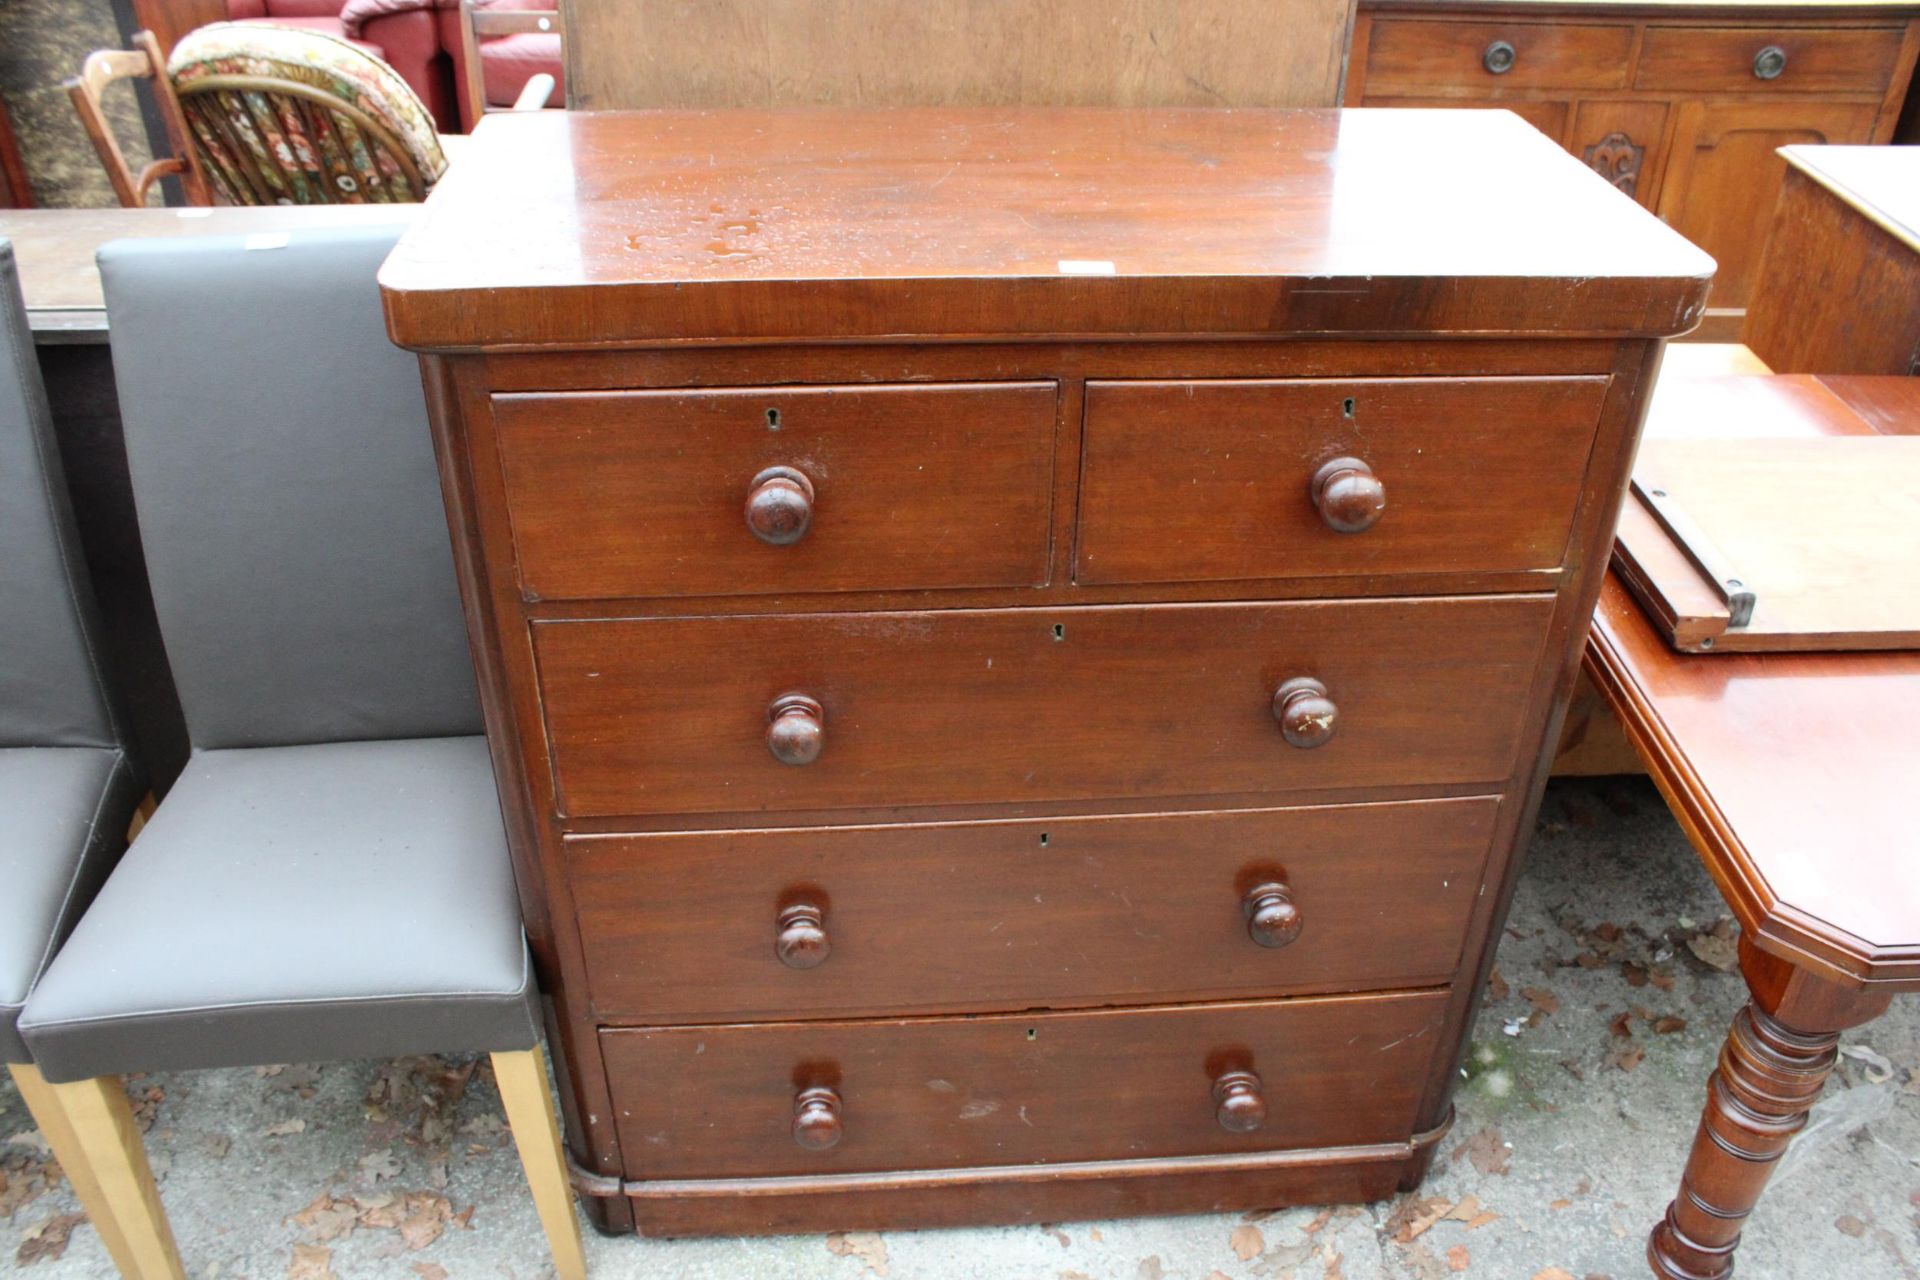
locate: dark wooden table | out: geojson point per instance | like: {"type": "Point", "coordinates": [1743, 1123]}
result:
{"type": "Point", "coordinates": [1792, 775]}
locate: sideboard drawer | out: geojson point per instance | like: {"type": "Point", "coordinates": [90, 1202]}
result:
{"type": "Point", "coordinates": [1008, 706]}
{"type": "Point", "coordinates": [1208, 481]}
{"type": "Point", "coordinates": [658, 493]}
{"type": "Point", "coordinates": [935, 1093]}
{"type": "Point", "coordinates": [1036, 913]}
{"type": "Point", "coordinates": [1406, 54]}
{"type": "Point", "coordinates": [1759, 59]}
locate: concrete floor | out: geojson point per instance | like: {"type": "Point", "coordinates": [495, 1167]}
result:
{"type": "Point", "coordinates": [1567, 1147]}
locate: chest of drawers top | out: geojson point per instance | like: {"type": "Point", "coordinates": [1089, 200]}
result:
{"type": "Point", "coordinates": [567, 229]}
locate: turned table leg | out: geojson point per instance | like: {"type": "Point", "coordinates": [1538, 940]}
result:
{"type": "Point", "coordinates": [1776, 1058]}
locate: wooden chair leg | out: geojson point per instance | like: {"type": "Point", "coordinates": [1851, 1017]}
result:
{"type": "Point", "coordinates": [536, 1132]}
{"type": "Point", "coordinates": [52, 1123]}
{"type": "Point", "coordinates": [107, 1144]}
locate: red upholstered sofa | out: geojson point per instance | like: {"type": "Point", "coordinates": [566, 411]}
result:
{"type": "Point", "coordinates": [406, 36]}
{"type": "Point", "coordinates": [420, 39]}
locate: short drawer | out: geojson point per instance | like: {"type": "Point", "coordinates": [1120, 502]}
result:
{"type": "Point", "coordinates": [1210, 481]}
{"type": "Point", "coordinates": [937, 1093]}
{"type": "Point", "coordinates": [1494, 56]}
{"type": "Point", "coordinates": [1040, 913]}
{"type": "Point", "coordinates": [1769, 59]}
{"type": "Point", "coordinates": [676, 493]}
{"type": "Point", "coordinates": [683, 715]}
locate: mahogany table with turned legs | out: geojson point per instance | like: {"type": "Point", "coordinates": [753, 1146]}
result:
{"type": "Point", "coordinates": [1792, 776]}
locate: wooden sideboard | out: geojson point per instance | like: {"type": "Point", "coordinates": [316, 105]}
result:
{"type": "Point", "coordinates": [1680, 105]}
{"type": "Point", "coordinates": [1839, 285]}
{"type": "Point", "coordinates": [1019, 645]}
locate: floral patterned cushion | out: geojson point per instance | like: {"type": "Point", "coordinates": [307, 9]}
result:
{"type": "Point", "coordinates": [260, 149]}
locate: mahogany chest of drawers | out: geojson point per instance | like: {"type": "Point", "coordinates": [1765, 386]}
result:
{"type": "Point", "coordinates": [1018, 645]}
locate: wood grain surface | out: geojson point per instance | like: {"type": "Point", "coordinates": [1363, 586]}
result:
{"type": "Point", "coordinates": [896, 53]}
{"type": "Point", "coordinates": [623, 228]}
{"type": "Point", "coordinates": [1046, 912]}
{"type": "Point", "coordinates": [1189, 481]}
{"type": "Point", "coordinates": [640, 493]}
{"type": "Point", "coordinates": [669, 715]}
{"type": "Point", "coordinates": [945, 1092]}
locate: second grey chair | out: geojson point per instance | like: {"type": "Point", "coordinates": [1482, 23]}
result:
{"type": "Point", "coordinates": [68, 785]}
{"type": "Point", "coordinates": [329, 878]}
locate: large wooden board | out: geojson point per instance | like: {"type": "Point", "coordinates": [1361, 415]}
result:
{"type": "Point", "coordinates": [895, 53]}
{"type": "Point", "coordinates": [1825, 532]}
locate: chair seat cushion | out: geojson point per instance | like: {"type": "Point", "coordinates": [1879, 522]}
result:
{"type": "Point", "coordinates": [508, 62]}
{"type": "Point", "coordinates": [63, 816]}
{"type": "Point", "coordinates": [326, 27]}
{"type": "Point", "coordinates": [304, 903]}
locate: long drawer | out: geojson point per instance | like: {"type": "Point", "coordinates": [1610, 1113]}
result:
{"type": "Point", "coordinates": [778, 489]}
{"type": "Point", "coordinates": [683, 715]}
{"type": "Point", "coordinates": [1211, 480]}
{"type": "Point", "coordinates": [1057, 912]}
{"type": "Point", "coordinates": [1411, 54]}
{"type": "Point", "coordinates": [843, 1097]}
{"type": "Point", "coordinates": [1769, 59]}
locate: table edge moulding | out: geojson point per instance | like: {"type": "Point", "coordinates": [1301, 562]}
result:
{"type": "Point", "coordinates": [804, 470]}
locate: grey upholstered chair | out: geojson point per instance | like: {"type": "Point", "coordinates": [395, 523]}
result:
{"type": "Point", "coordinates": [68, 787]}
{"type": "Point", "coordinates": [329, 878]}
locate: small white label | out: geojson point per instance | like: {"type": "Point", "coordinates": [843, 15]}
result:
{"type": "Point", "coordinates": [268, 240]}
{"type": "Point", "coordinates": [1086, 267]}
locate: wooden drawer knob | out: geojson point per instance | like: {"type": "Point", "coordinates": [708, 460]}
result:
{"type": "Point", "coordinates": [1499, 58]}
{"type": "Point", "coordinates": [780, 506]}
{"type": "Point", "coordinates": [816, 1118]}
{"type": "Point", "coordinates": [1272, 919]}
{"type": "Point", "coordinates": [796, 729]}
{"type": "Point", "coordinates": [1237, 1103]}
{"type": "Point", "coordinates": [1348, 495]}
{"type": "Point", "coordinates": [803, 941]}
{"type": "Point", "coordinates": [1306, 714]}
{"type": "Point", "coordinates": [1769, 63]}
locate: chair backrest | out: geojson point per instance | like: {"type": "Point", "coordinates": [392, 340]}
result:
{"type": "Point", "coordinates": [494, 20]}
{"type": "Point", "coordinates": [282, 115]}
{"type": "Point", "coordinates": [104, 67]}
{"type": "Point", "coordinates": [288, 499]}
{"type": "Point", "coordinates": [52, 690]}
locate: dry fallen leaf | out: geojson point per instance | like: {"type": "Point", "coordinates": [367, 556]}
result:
{"type": "Point", "coordinates": [1850, 1225]}
{"type": "Point", "coordinates": [1552, 1273]}
{"type": "Point", "coordinates": [284, 1129]}
{"type": "Point", "coordinates": [1486, 1149]}
{"type": "Point", "coordinates": [1543, 1001]}
{"type": "Point", "coordinates": [430, 1271]}
{"type": "Point", "coordinates": [864, 1245]}
{"type": "Point", "coordinates": [48, 1239]}
{"type": "Point", "coordinates": [311, 1262]}
{"type": "Point", "coordinates": [326, 1218]}
{"type": "Point", "coordinates": [1496, 985]}
{"type": "Point", "coordinates": [1247, 1242]}
{"type": "Point", "coordinates": [376, 1165]}
{"type": "Point", "coordinates": [1629, 1057]}
{"type": "Point", "coordinates": [1720, 953]}
{"type": "Point", "coordinates": [1458, 1259]}
{"type": "Point", "coordinates": [1414, 1215]}
{"type": "Point", "coordinates": [1668, 1025]}
{"type": "Point", "coordinates": [1151, 1268]}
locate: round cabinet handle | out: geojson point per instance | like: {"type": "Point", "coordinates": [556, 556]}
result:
{"type": "Point", "coordinates": [1769, 63]}
{"type": "Point", "coordinates": [1237, 1103]}
{"type": "Point", "coordinates": [796, 729]}
{"type": "Point", "coordinates": [780, 506]}
{"type": "Point", "coordinates": [1349, 497]}
{"type": "Point", "coordinates": [1306, 714]}
{"type": "Point", "coordinates": [1272, 919]}
{"type": "Point", "coordinates": [816, 1118]}
{"type": "Point", "coordinates": [1499, 58]}
{"type": "Point", "coordinates": [803, 941]}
